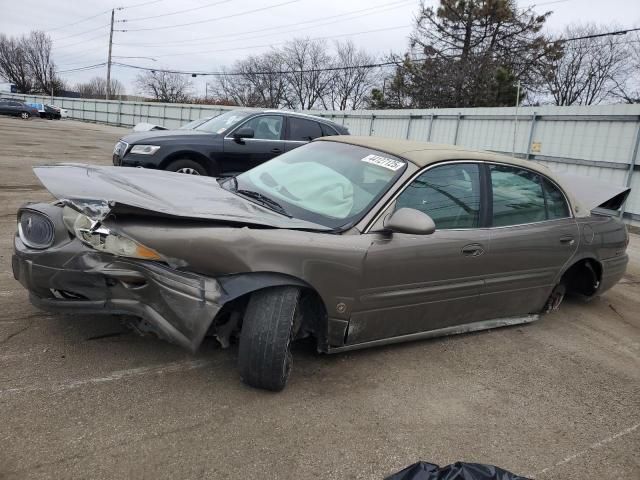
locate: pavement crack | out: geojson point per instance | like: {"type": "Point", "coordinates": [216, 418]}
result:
{"type": "Point", "coordinates": [616, 311]}
{"type": "Point", "coordinates": [16, 333]}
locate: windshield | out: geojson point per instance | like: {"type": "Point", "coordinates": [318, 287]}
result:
{"type": "Point", "coordinates": [223, 122]}
{"type": "Point", "coordinates": [195, 123]}
{"type": "Point", "coordinates": [329, 183]}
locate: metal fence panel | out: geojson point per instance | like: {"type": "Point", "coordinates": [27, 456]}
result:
{"type": "Point", "coordinates": [598, 141]}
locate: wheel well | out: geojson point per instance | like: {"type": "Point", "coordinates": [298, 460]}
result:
{"type": "Point", "coordinates": [312, 317]}
{"type": "Point", "coordinates": [583, 277]}
{"type": "Point", "coordinates": [209, 165]}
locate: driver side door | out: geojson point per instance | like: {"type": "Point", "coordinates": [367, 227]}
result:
{"type": "Point", "coordinates": [243, 154]}
{"type": "Point", "coordinates": [416, 283]}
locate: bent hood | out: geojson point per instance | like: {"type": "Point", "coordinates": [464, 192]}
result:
{"type": "Point", "coordinates": [98, 191]}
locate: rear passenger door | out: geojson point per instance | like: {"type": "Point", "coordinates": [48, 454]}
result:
{"type": "Point", "coordinates": [533, 235]}
{"type": "Point", "coordinates": [301, 131]}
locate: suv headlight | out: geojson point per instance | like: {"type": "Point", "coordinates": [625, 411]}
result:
{"type": "Point", "coordinates": [97, 236]}
{"type": "Point", "coordinates": [145, 149]}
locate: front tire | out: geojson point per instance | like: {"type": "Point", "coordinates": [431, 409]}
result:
{"type": "Point", "coordinates": [186, 166]}
{"type": "Point", "coordinates": [264, 355]}
{"type": "Point", "coordinates": [25, 115]}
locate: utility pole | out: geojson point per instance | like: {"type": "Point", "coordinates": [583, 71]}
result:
{"type": "Point", "coordinates": [51, 79]}
{"type": "Point", "coordinates": [113, 12]}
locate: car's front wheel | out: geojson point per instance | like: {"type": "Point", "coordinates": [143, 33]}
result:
{"type": "Point", "coordinates": [25, 115]}
{"type": "Point", "coordinates": [186, 166]}
{"type": "Point", "coordinates": [267, 330]}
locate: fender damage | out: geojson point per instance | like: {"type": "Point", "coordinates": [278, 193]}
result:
{"type": "Point", "coordinates": [169, 298]}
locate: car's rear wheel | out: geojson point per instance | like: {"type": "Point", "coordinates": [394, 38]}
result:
{"type": "Point", "coordinates": [267, 330]}
{"type": "Point", "coordinates": [186, 166]}
{"type": "Point", "coordinates": [25, 115]}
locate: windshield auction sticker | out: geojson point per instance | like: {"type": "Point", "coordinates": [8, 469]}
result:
{"type": "Point", "coordinates": [384, 162]}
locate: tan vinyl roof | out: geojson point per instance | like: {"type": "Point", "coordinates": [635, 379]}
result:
{"type": "Point", "coordinates": [423, 153]}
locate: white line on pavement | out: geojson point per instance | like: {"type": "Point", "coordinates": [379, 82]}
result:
{"type": "Point", "coordinates": [593, 446]}
{"type": "Point", "coordinates": [115, 376]}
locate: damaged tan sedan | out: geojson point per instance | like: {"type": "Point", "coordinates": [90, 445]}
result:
{"type": "Point", "coordinates": [354, 241]}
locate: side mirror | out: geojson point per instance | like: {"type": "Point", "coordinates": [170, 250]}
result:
{"type": "Point", "coordinates": [411, 221]}
{"type": "Point", "coordinates": [244, 132]}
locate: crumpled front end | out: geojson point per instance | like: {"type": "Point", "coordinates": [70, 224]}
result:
{"type": "Point", "coordinates": [71, 277]}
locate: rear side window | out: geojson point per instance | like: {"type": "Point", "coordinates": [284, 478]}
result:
{"type": "Point", "coordinates": [301, 129]}
{"type": "Point", "coordinates": [521, 196]}
{"type": "Point", "coordinates": [556, 204]}
{"type": "Point", "coordinates": [449, 194]}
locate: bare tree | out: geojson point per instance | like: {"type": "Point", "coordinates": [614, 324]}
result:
{"type": "Point", "coordinates": [255, 82]}
{"type": "Point", "coordinates": [353, 80]}
{"type": "Point", "coordinates": [306, 62]}
{"type": "Point", "coordinates": [165, 86]}
{"type": "Point", "coordinates": [37, 49]}
{"type": "Point", "coordinates": [13, 64]}
{"type": "Point", "coordinates": [97, 88]}
{"type": "Point", "coordinates": [627, 87]}
{"type": "Point", "coordinates": [588, 69]}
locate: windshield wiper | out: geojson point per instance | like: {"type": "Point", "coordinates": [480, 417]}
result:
{"type": "Point", "coordinates": [268, 202]}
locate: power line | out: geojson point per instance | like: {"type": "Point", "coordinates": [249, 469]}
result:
{"type": "Point", "coordinates": [79, 21]}
{"type": "Point", "coordinates": [597, 35]}
{"type": "Point", "coordinates": [79, 42]}
{"type": "Point", "coordinates": [273, 72]}
{"type": "Point", "coordinates": [373, 65]}
{"type": "Point", "coordinates": [82, 33]}
{"type": "Point", "coordinates": [548, 3]}
{"type": "Point", "coordinates": [341, 17]}
{"type": "Point", "coordinates": [210, 19]}
{"type": "Point", "coordinates": [175, 13]}
{"type": "Point", "coordinates": [81, 69]}
{"type": "Point", "coordinates": [281, 43]}
{"type": "Point", "coordinates": [139, 4]}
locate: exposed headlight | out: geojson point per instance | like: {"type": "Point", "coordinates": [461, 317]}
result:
{"type": "Point", "coordinates": [145, 149]}
{"type": "Point", "coordinates": [35, 229]}
{"type": "Point", "coordinates": [101, 238]}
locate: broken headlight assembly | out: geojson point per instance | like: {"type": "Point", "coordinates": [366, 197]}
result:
{"type": "Point", "coordinates": [101, 238]}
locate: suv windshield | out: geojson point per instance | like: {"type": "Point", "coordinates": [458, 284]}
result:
{"type": "Point", "coordinates": [224, 122]}
{"type": "Point", "coordinates": [329, 183]}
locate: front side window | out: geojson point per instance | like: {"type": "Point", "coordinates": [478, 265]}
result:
{"type": "Point", "coordinates": [449, 194]}
{"type": "Point", "coordinates": [521, 196]}
{"type": "Point", "coordinates": [265, 127]}
{"type": "Point", "coordinates": [329, 183]}
{"type": "Point", "coordinates": [303, 130]}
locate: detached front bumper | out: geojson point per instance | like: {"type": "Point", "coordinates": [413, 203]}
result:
{"type": "Point", "coordinates": [72, 278]}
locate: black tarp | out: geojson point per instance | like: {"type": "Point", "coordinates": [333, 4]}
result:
{"type": "Point", "coordinates": [455, 471]}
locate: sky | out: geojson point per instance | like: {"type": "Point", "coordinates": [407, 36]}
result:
{"type": "Point", "coordinates": [207, 35]}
